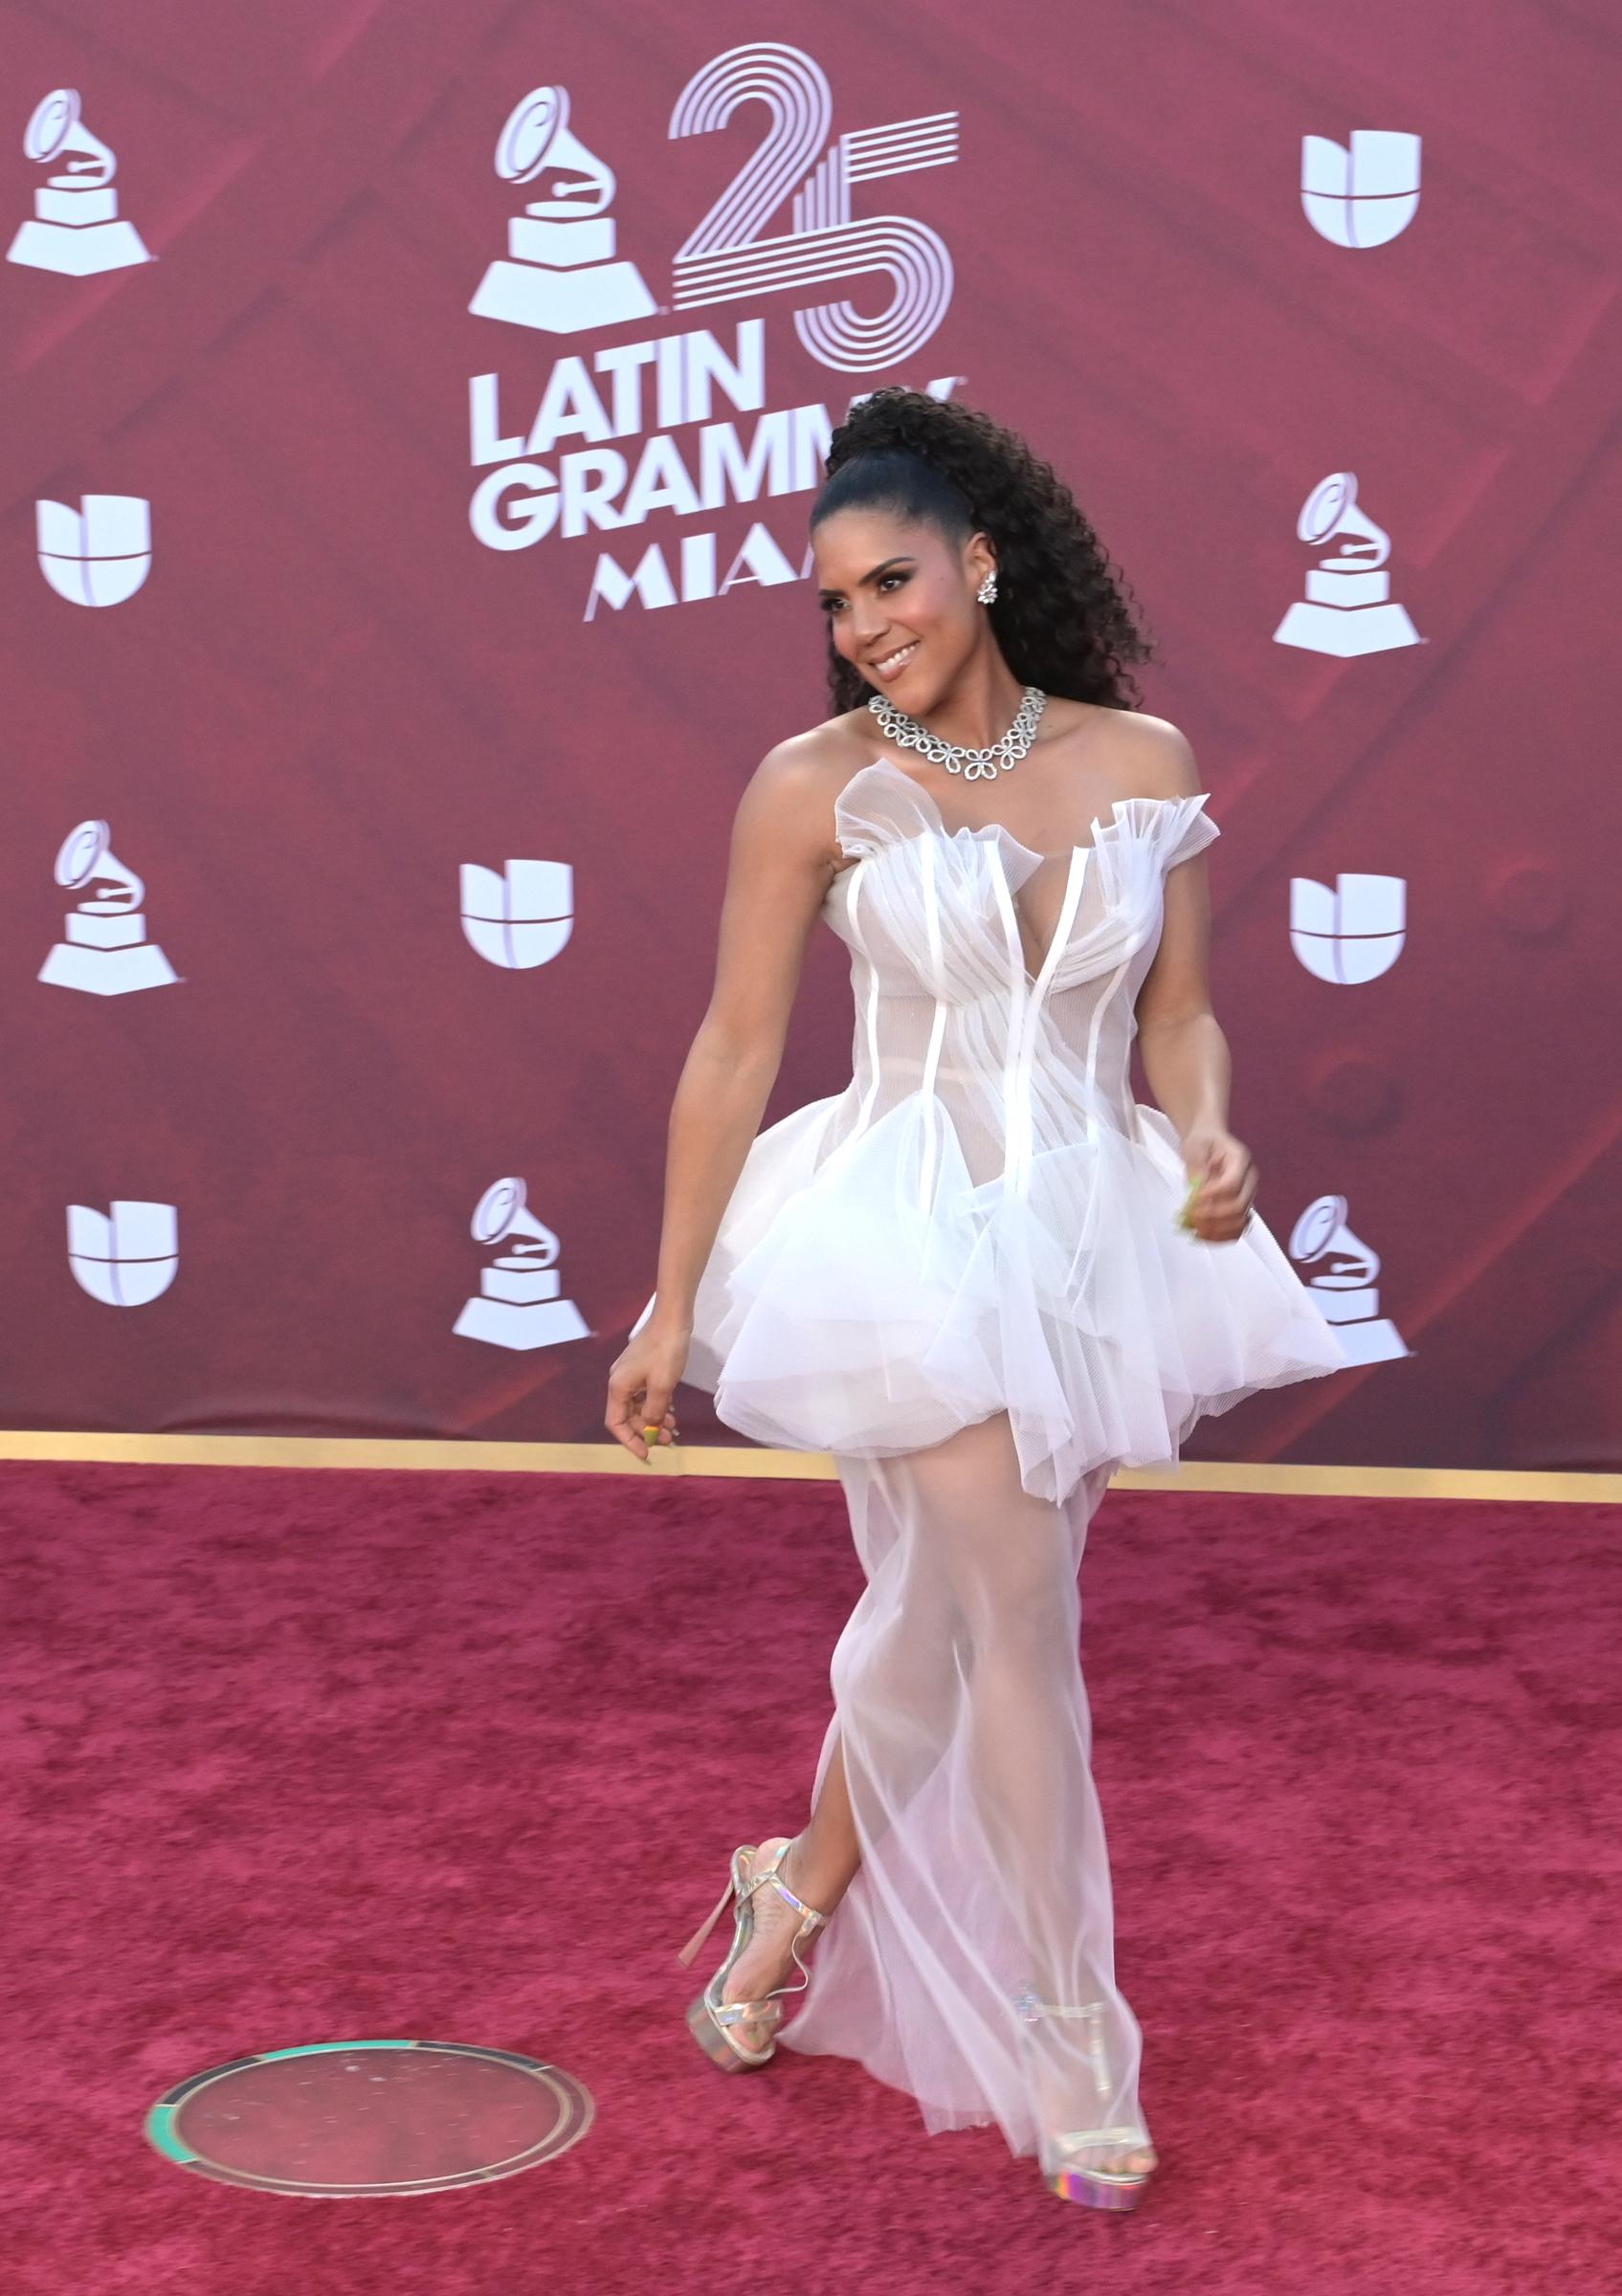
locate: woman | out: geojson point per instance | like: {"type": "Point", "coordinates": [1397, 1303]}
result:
{"type": "Point", "coordinates": [973, 1276]}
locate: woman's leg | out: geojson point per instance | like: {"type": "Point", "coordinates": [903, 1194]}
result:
{"type": "Point", "coordinates": [818, 1866]}
{"type": "Point", "coordinates": [965, 1739]}
{"type": "Point", "coordinates": [823, 1861]}
{"type": "Point", "coordinates": [1014, 1561]}
{"type": "Point", "coordinates": [898, 1645]}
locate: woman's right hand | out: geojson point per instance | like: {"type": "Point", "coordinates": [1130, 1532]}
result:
{"type": "Point", "coordinates": [642, 1384]}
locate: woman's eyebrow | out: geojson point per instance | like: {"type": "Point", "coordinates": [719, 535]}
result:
{"type": "Point", "coordinates": [873, 575]}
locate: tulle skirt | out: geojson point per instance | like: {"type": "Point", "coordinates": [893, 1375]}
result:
{"type": "Point", "coordinates": [970, 1962]}
{"type": "Point", "coordinates": [868, 1296]}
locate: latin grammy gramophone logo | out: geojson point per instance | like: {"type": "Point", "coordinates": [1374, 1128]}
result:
{"type": "Point", "coordinates": [75, 226]}
{"type": "Point", "coordinates": [560, 274]}
{"type": "Point", "coordinates": [124, 1256]}
{"type": "Point", "coordinates": [1363, 193]}
{"type": "Point", "coordinates": [1340, 1271]}
{"type": "Point", "coordinates": [105, 951]}
{"type": "Point", "coordinates": [519, 1303]}
{"type": "Point", "coordinates": [1348, 609]}
{"type": "Point", "coordinates": [520, 916]}
{"type": "Point", "coordinates": [100, 554]}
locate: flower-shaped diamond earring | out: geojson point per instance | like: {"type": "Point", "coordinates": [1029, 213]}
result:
{"type": "Point", "coordinates": [987, 590]}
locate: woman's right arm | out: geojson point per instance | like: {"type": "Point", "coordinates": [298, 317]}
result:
{"type": "Point", "coordinates": [779, 869]}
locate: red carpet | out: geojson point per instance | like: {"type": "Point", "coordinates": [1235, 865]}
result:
{"type": "Point", "coordinates": [304, 1755]}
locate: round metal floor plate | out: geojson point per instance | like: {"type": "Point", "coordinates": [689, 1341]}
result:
{"type": "Point", "coordinates": [345, 2119]}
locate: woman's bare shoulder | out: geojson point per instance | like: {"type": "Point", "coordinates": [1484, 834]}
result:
{"type": "Point", "coordinates": [799, 777]}
{"type": "Point", "coordinates": [809, 769]}
{"type": "Point", "coordinates": [824, 747]}
{"type": "Point", "coordinates": [1163, 761]}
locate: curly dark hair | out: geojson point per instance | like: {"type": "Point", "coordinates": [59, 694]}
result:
{"type": "Point", "coordinates": [1060, 615]}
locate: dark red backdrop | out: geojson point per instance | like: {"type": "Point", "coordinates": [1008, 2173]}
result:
{"type": "Point", "coordinates": [329, 694]}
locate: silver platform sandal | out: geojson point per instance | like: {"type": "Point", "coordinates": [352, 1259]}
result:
{"type": "Point", "coordinates": [1063, 2159]}
{"type": "Point", "coordinates": [715, 2024]}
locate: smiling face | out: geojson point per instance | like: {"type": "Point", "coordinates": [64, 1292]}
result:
{"type": "Point", "coordinates": [900, 602]}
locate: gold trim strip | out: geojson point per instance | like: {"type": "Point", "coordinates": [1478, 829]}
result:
{"type": "Point", "coordinates": [751, 1462]}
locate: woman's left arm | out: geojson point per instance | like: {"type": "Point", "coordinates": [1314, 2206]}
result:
{"type": "Point", "coordinates": [1180, 1042]}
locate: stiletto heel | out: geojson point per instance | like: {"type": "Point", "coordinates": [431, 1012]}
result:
{"type": "Point", "coordinates": [1063, 2156]}
{"type": "Point", "coordinates": [689, 1952]}
{"type": "Point", "coordinates": [715, 2024]}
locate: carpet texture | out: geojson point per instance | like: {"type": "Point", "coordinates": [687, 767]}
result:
{"type": "Point", "coordinates": [295, 1756]}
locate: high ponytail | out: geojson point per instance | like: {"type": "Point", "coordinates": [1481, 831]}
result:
{"type": "Point", "coordinates": [1061, 615]}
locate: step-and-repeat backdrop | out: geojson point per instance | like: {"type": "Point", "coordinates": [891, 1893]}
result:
{"type": "Point", "coordinates": [412, 416]}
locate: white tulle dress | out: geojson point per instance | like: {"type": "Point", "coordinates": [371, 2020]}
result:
{"type": "Point", "coordinates": [962, 1276]}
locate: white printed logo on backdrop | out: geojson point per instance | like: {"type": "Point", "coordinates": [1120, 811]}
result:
{"type": "Point", "coordinates": [1339, 1269]}
{"type": "Point", "coordinates": [566, 475]}
{"type": "Point", "coordinates": [519, 1303]}
{"type": "Point", "coordinates": [1362, 195]}
{"type": "Point", "coordinates": [100, 554]}
{"type": "Point", "coordinates": [105, 951]}
{"type": "Point", "coordinates": [1350, 932]}
{"type": "Point", "coordinates": [75, 226]}
{"type": "Point", "coordinates": [128, 1258]}
{"type": "Point", "coordinates": [1348, 609]}
{"type": "Point", "coordinates": [731, 257]}
{"type": "Point", "coordinates": [560, 275]}
{"type": "Point", "coordinates": [520, 916]}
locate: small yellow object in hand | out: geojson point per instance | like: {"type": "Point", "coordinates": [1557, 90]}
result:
{"type": "Point", "coordinates": [1187, 1205]}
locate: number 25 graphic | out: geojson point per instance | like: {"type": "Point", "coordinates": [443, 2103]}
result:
{"type": "Point", "coordinates": [725, 259]}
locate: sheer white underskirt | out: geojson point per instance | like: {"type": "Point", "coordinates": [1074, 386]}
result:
{"type": "Point", "coordinates": [962, 1713]}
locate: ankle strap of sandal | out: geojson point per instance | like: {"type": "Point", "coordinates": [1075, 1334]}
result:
{"type": "Point", "coordinates": [773, 1875]}
{"type": "Point", "coordinates": [1028, 2007]}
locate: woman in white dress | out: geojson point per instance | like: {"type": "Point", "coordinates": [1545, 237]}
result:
{"type": "Point", "coordinates": [982, 1276]}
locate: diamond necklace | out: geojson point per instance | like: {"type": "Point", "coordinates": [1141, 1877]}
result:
{"type": "Point", "coordinates": [974, 765]}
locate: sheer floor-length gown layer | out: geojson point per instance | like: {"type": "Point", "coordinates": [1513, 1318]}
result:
{"type": "Point", "coordinates": [962, 1278]}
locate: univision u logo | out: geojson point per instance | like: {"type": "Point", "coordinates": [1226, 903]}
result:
{"type": "Point", "coordinates": [1351, 931]}
{"type": "Point", "coordinates": [100, 554]}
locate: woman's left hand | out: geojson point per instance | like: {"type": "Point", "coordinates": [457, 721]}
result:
{"type": "Point", "coordinates": [1221, 1208]}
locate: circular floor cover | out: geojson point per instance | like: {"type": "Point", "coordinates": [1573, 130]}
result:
{"type": "Point", "coordinates": [347, 2118]}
